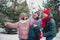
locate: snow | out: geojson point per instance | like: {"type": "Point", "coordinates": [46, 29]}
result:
{"type": "Point", "coordinates": [9, 3]}
{"type": "Point", "coordinates": [2, 30]}
{"type": "Point", "coordinates": [34, 5]}
{"type": "Point", "coordinates": [57, 36]}
{"type": "Point", "coordinates": [15, 36]}
{"type": "Point", "coordinates": [8, 37]}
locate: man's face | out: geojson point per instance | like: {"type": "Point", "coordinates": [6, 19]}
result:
{"type": "Point", "coordinates": [44, 15]}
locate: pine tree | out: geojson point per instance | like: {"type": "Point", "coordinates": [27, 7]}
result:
{"type": "Point", "coordinates": [10, 14]}
{"type": "Point", "coordinates": [52, 4]}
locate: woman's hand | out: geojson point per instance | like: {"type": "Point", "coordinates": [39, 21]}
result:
{"type": "Point", "coordinates": [6, 23]}
{"type": "Point", "coordinates": [41, 35]}
{"type": "Point", "coordinates": [35, 25]}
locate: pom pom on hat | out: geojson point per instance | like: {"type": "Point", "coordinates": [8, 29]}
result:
{"type": "Point", "coordinates": [46, 11]}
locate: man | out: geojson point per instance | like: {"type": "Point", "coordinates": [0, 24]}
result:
{"type": "Point", "coordinates": [48, 25]}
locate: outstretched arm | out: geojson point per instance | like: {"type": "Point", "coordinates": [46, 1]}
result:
{"type": "Point", "coordinates": [12, 25]}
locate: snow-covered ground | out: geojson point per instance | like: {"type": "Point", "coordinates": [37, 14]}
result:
{"type": "Point", "coordinates": [8, 37]}
{"type": "Point", "coordinates": [15, 36]}
{"type": "Point", "coordinates": [57, 37]}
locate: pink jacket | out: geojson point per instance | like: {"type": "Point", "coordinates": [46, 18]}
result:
{"type": "Point", "coordinates": [22, 27]}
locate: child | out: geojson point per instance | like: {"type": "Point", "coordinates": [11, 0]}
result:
{"type": "Point", "coordinates": [23, 24]}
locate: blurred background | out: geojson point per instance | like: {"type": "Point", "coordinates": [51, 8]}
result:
{"type": "Point", "coordinates": [11, 9]}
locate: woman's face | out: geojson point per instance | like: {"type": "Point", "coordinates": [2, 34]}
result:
{"type": "Point", "coordinates": [44, 15]}
{"type": "Point", "coordinates": [24, 17]}
{"type": "Point", "coordinates": [35, 16]}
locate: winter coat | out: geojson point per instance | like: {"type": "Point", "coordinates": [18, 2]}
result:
{"type": "Point", "coordinates": [50, 29]}
{"type": "Point", "coordinates": [34, 33]}
{"type": "Point", "coordinates": [23, 28]}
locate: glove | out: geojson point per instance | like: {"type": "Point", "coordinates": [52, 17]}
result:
{"type": "Point", "coordinates": [41, 35]}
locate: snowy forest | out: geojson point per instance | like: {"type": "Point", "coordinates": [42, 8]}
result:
{"type": "Point", "coordinates": [11, 9]}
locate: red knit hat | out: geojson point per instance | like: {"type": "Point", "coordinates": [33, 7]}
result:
{"type": "Point", "coordinates": [47, 11]}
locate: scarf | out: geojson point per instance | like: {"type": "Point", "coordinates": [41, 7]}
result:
{"type": "Point", "coordinates": [23, 21]}
{"type": "Point", "coordinates": [44, 21]}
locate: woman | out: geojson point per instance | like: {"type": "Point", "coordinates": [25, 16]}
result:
{"type": "Point", "coordinates": [23, 26]}
{"type": "Point", "coordinates": [35, 30]}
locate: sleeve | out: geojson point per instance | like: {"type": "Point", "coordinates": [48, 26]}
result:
{"type": "Point", "coordinates": [52, 29]}
{"type": "Point", "coordinates": [31, 24]}
{"type": "Point", "coordinates": [40, 24]}
{"type": "Point", "coordinates": [13, 25]}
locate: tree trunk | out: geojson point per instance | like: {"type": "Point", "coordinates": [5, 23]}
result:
{"type": "Point", "coordinates": [14, 5]}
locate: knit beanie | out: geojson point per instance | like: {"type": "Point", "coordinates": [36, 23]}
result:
{"type": "Point", "coordinates": [22, 15]}
{"type": "Point", "coordinates": [46, 11]}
